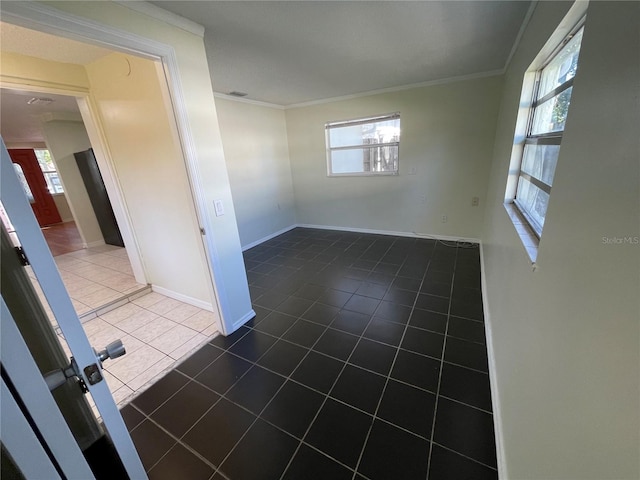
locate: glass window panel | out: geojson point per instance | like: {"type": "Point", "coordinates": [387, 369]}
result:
{"type": "Point", "coordinates": [540, 161]}
{"type": "Point", "coordinates": [53, 182]}
{"type": "Point", "coordinates": [23, 182]}
{"type": "Point", "coordinates": [534, 202]}
{"type": "Point", "coordinates": [45, 161]}
{"type": "Point", "coordinates": [365, 160]}
{"type": "Point", "coordinates": [551, 115]}
{"type": "Point", "coordinates": [563, 66]}
{"type": "Point", "coordinates": [385, 131]}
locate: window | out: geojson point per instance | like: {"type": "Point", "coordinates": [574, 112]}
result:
{"type": "Point", "coordinates": [49, 171]}
{"type": "Point", "coordinates": [547, 117]}
{"type": "Point", "coordinates": [366, 146]}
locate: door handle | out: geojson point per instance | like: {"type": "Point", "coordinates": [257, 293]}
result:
{"type": "Point", "coordinates": [57, 378]}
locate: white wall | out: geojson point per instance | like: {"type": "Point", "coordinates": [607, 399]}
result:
{"type": "Point", "coordinates": [257, 155]}
{"type": "Point", "coordinates": [148, 162]}
{"type": "Point", "coordinates": [63, 139]}
{"type": "Point", "coordinates": [566, 336]}
{"type": "Point", "coordinates": [447, 134]}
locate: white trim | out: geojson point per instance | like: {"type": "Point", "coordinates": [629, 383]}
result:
{"type": "Point", "coordinates": [244, 319]}
{"type": "Point", "coordinates": [34, 393]}
{"type": "Point", "coordinates": [182, 298]}
{"type": "Point", "coordinates": [390, 232]}
{"type": "Point", "coordinates": [233, 98]}
{"type": "Point", "coordinates": [21, 216]}
{"type": "Point", "coordinates": [493, 375]}
{"type": "Point", "coordinates": [163, 15]}
{"type": "Point", "coordinates": [430, 83]}
{"type": "Point", "coordinates": [21, 442]}
{"type": "Point", "coordinates": [268, 237]}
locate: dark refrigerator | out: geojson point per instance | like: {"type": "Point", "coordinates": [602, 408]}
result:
{"type": "Point", "coordinates": [98, 195]}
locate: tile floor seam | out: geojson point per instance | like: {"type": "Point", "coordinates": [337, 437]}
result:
{"type": "Point", "coordinates": [388, 377]}
{"type": "Point", "coordinates": [444, 346]}
{"type": "Point", "coordinates": [316, 252]}
{"type": "Point", "coordinates": [177, 441]}
{"type": "Point", "coordinates": [465, 456]}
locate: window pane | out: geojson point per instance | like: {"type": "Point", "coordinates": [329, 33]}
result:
{"type": "Point", "coordinates": [365, 160]}
{"type": "Point", "coordinates": [563, 66]}
{"type": "Point", "coordinates": [53, 182]}
{"type": "Point", "coordinates": [551, 115]}
{"type": "Point", "coordinates": [534, 202]}
{"type": "Point", "coordinates": [540, 161]}
{"type": "Point", "coordinates": [385, 131]}
{"type": "Point", "coordinates": [45, 160]}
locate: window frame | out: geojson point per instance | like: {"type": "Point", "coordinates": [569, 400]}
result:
{"type": "Point", "coordinates": [545, 138]}
{"type": "Point", "coordinates": [361, 121]}
{"type": "Point", "coordinates": [47, 174]}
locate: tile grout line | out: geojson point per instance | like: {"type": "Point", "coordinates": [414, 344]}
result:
{"type": "Point", "coordinates": [327, 396]}
{"type": "Point", "coordinates": [388, 376]}
{"type": "Point", "coordinates": [444, 346]}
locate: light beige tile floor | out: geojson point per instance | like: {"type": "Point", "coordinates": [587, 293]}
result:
{"type": "Point", "coordinates": [157, 331]}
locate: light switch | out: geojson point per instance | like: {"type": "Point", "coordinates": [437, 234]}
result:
{"type": "Point", "coordinates": [219, 207]}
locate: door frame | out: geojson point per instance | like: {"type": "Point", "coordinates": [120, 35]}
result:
{"type": "Point", "coordinates": [40, 17]}
{"type": "Point", "coordinates": [21, 216]}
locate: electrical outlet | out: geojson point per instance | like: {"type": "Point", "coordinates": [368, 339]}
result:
{"type": "Point", "coordinates": [475, 201]}
{"type": "Point", "coordinates": [423, 199]}
{"type": "Point", "coordinates": [444, 219]}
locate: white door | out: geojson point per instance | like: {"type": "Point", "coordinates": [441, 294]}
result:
{"type": "Point", "coordinates": [21, 216]}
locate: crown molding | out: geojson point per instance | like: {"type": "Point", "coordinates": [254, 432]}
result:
{"type": "Point", "coordinates": [163, 15]}
{"type": "Point", "coordinates": [399, 88]}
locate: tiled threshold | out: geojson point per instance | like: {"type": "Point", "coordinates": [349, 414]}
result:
{"type": "Point", "coordinates": [117, 303]}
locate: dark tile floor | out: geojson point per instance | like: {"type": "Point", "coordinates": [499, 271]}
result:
{"type": "Point", "coordinates": [366, 360]}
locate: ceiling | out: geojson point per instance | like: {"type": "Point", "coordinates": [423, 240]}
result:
{"type": "Point", "coordinates": [290, 52]}
{"type": "Point", "coordinates": [20, 122]}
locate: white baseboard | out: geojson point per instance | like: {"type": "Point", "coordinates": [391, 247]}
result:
{"type": "Point", "coordinates": [390, 232]}
{"type": "Point", "coordinates": [493, 377]}
{"type": "Point", "coordinates": [242, 320]}
{"type": "Point", "coordinates": [183, 298]}
{"type": "Point", "coordinates": [268, 237]}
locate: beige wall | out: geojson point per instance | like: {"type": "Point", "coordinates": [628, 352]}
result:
{"type": "Point", "coordinates": [63, 139]}
{"type": "Point", "coordinates": [257, 155]}
{"type": "Point", "coordinates": [566, 336]}
{"type": "Point", "coordinates": [148, 163]}
{"type": "Point", "coordinates": [447, 137]}
{"type": "Point", "coordinates": [63, 207]}
{"type": "Point", "coordinates": [206, 150]}
{"type": "Point", "coordinates": [29, 71]}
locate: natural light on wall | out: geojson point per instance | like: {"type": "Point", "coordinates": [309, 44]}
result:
{"type": "Point", "coordinates": [365, 146]}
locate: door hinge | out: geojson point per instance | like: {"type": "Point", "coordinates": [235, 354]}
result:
{"type": "Point", "coordinates": [24, 261]}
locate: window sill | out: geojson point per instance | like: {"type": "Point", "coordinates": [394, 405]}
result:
{"type": "Point", "coordinates": [529, 240]}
